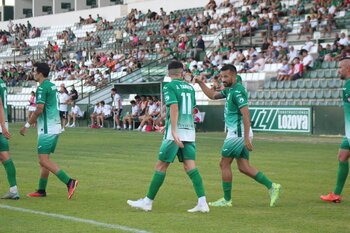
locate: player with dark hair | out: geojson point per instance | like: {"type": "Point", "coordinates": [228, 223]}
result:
{"type": "Point", "coordinates": [238, 142]}
{"type": "Point", "coordinates": [179, 139]}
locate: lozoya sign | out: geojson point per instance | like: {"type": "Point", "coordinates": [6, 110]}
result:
{"type": "Point", "coordinates": [281, 119]}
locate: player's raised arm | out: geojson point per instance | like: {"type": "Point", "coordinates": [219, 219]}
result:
{"type": "Point", "coordinates": [246, 123]}
{"type": "Point", "coordinates": [214, 95]}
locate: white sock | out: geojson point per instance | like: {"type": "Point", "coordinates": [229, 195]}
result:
{"type": "Point", "coordinates": [202, 200]}
{"type": "Point", "coordinates": [130, 127]}
{"type": "Point", "coordinates": [13, 189]}
{"type": "Point", "coordinates": [147, 200]}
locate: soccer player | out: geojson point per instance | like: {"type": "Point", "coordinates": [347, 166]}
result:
{"type": "Point", "coordinates": [4, 146]}
{"type": "Point", "coordinates": [238, 142]}
{"type": "Point", "coordinates": [344, 151]}
{"type": "Point", "coordinates": [49, 128]}
{"type": "Point", "coordinates": [179, 140]}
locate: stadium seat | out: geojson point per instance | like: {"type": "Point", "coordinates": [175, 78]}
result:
{"type": "Point", "coordinates": [281, 94]}
{"type": "Point", "coordinates": [327, 94]}
{"type": "Point", "coordinates": [274, 95]}
{"type": "Point", "coordinates": [325, 65]}
{"type": "Point", "coordinates": [253, 95]}
{"type": "Point", "coordinates": [320, 74]}
{"type": "Point", "coordinates": [301, 83]}
{"type": "Point", "coordinates": [313, 74]}
{"type": "Point", "coordinates": [328, 73]}
{"type": "Point", "coordinates": [303, 94]}
{"type": "Point", "coordinates": [308, 83]}
{"type": "Point", "coordinates": [287, 84]}
{"type": "Point", "coordinates": [338, 83]}
{"type": "Point", "coordinates": [332, 65]}
{"type": "Point", "coordinates": [334, 73]}
{"type": "Point", "coordinates": [261, 94]}
{"type": "Point", "coordinates": [315, 83]}
{"type": "Point", "coordinates": [280, 85]}
{"type": "Point", "coordinates": [273, 84]}
{"type": "Point", "coordinates": [331, 83]}
{"type": "Point", "coordinates": [294, 84]}
{"type": "Point", "coordinates": [336, 94]}
{"type": "Point", "coordinates": [267, 94]}
{"type": "Point", "coordinates": [319, 94]}
{"type": "Point", "coordinates": [289, 94]}
{"type": "Point", "coordinates": [267, 84]}
{"type": "Point", "coordinates": [311, 94]}
{"type": "Point", "coordinates": [296, 94]}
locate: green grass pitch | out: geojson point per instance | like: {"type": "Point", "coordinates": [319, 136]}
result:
{"type": "Point", "coordinates": [115, 166]}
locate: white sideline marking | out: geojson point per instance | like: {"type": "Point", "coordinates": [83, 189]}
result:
{"type": "Point", "coordinates": [74, 219]}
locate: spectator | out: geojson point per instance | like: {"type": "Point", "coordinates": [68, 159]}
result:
{"type": "Point", "coordinates": [97, 111]}
{"type": "Point", "coordinates": [73, 94]}
{"type": "Point", "coordinates": [152, 113]}
{"type": "Point", "coordinates": [297, 70]}
{"type": "Point", "coordinates": [74, 114]}
{"type": "Point", "coordinates": [32, 104]}
{"type": "Point", "coordinates": [105, 114]}
{"type": "Point", "coordinates": [63, 107]}
{"type": "Point", "coordinates": [284, 71]}
{"type": "Point", "coordinates": [117, 107]}
{"type": "Point", "coordinates": [308, 60]}
{"type": "Point", "coordinates": [131, 117]}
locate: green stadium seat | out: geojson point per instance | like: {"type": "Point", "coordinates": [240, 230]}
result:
{"type": "Point", "coordinates": [315, 83]}
{"type": "Point", "coordinates": [274, 95]}
{"type": "Point", "coordinates": [328, 74]}
{"type": "Point", "coordinates": [301, 83]}
{"type": "Point", "coordinates": [287, 84]}
{"type": "Point", "coordinates": [303, 94]}
{"type": "Point", "coordinates": [313, 74]}
{"type": "Point", "coordinates": [334, 73]}
{"type": "Point", "coordinates": [296, 94]}
{"type": "Point", "coordinates": [260, 94]}
{"type": "Point", "coordinates": [267, 84]}
{"type": "Point", "coordinates": [332, 64]}
{"type": "Point", "coordinates": [336, 94]}
{"type": "Point", "coordinates": [267, 94]}
{"type": "Point", "coordinates": [308, 83]}
{"type": "Point", "coordinates": [323, 83]}
{"type": "Point", "coordinates": [273, 84]}
{"type": "Point", "coordinates": [331, 83]}
{"type": "Point", "coordinates": [294, 84]}
{"type": "Point", "coordinates": [253, 95]}
{"type": "Point", "coordinates": [311, 94]}
{"type": "Point", "coordinates": [320, 74]}
{"type": "Point", "coordinates": [327, 94]}
{"type": "Point", "coordinates": [338, 83]}
{"type": "Point", "coordinates": [280, 85]}
{"type": "Point", "coordinates": [281, 94]}
{"type": "Point", "coordinates": [289, 94]}
{"type": "Point", "coordinates": [325, 65]}
{"type": "Point", "coordinates": [319, 94]}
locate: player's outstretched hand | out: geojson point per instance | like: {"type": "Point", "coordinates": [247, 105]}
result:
{"type": "Point", "coordinates": [198, 79]}
{"type": "Point", "coordinates": [248, 144]}
{"type": "Point", "coordinates": [6, 133]}
{"type": "Point", "coordinates": [23, 131]}
{"type": "Point", "coordinates": [177, 140]}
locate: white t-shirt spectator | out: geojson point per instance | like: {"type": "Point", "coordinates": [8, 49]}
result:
{"type": "Point", "coordinates": [63, 97]}
{"type": "Point", "coordinates": [153, 108]}
{"type": "Point", "coordinates": [307, 59]}
{"type": "Point", "coordinates": [292, 54]}
{"type": "Point", "coordinates": [107, 110]}
{"type": "Point", "coordinates": [308, 45]}
{"type": "Point", "coordinates": [76, 110]}
{"type": "Point", "coordinates": [343, 41]}
{"type": "Point", "coordinates": [97, 110]}
{"type": "Point", "coordinates": [117, 101]}
{"type": "Point", "coordinates": [135, 110]}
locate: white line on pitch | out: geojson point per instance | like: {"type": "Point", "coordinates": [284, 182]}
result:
{"type": "Point", "coordinates": [74, 219]}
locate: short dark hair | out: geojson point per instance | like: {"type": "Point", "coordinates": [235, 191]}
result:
{"type": "Point", "coordinates": [229, 67]}
{"type": "Point", "coordinates": [175, 65]}
{"type": "Point", "coordinates": [42, 68]}
{"type": "Point", "coordinates": [102, 102]}
{"type": "Point", "coordinates": [137, 97]}
{"type": "Point", "coordinates": [113, 89]}
{"type": "Point", "coordinates": [132, 102]}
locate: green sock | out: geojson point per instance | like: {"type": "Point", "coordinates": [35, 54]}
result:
{"type": "Point", "coordinates": [262, 179]}
{"type": "Point", "coordinates": [343, 171]}
{"type": "Point", "coordinates": [197, 182]}
{"type": "Point", "coordinates": [11, 172]}
{"type": "Point", "coordinates": [157, 181]}
{"type": "Point", "coordinates": [227, 187]}
{"type": "Point", "coordinates": [63, 176]}
{"type": "Point", "coordinates": [42, 184]}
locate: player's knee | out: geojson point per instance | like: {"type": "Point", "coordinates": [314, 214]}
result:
{"type": "Point", "coordinates": [243, 170]}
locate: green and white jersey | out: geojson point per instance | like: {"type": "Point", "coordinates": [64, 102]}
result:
{"type": "Point", "coordinates": [236, 98]}
{"type": "Point", "coordinates": [181, 93]}
{"type": "Point", "coordinates": [3, 95]}
{"type": "Point", "coordinates": [346, 100]}
{"type": "Point", "coordinates": [49, 119]}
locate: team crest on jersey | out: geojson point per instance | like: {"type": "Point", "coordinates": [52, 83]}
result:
{"type": "Point", "coordinates": [241, 100]}
{"type": "Point", "coordinates": [167, 98]}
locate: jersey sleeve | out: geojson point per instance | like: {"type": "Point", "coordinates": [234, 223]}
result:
{"type": "Point", "coordinates": [169, 95]}
{"type": "Point", "coordinates": [41, 95]}
{"type": "Point", "coordinates": [224, 92]}
{"type": "Point", "coordinates": [240, 98]}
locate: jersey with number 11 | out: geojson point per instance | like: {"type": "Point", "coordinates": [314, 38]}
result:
{"type": "Point", "coordinates": [3, 95]}
{"type": "Point", "coordinates": [181, 93]}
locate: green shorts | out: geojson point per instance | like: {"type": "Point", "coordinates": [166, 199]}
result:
{"type": "Point", "coordinates": [234, 148]}
{"type": "Point", "coordinates": [4, 145]}
{"type": "Point", "coordinates": [345, 144]}
{"type": "Point", "coordinates": [47, 143]}
{"type": "Point", "coordinates": [169, 150]}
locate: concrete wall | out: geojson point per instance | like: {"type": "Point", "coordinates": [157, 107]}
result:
{"type": "Point", "coordinates": [167, 5]}
{"type": "Point", "coordinates": [38, 7]}
{"type": "Point", "coordinates": [81, 5]}
{"type": "Point", "coordinates": [57, 6]}
{"type": "Point", "coordinates": [110, 13]}
{"type": "Point", "coordinates": [20, 5]}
